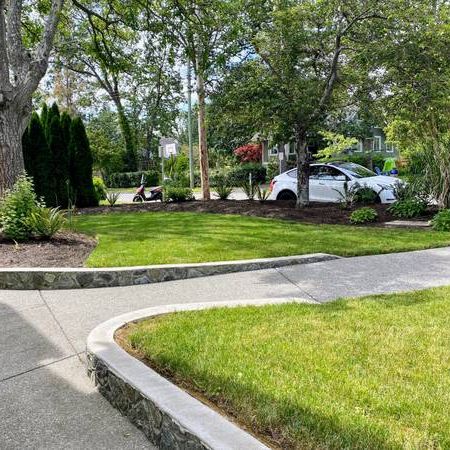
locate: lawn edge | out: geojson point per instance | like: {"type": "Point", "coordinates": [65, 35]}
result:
{"type": "Point", "coordinates": [81, 278]}
{"type": "Point", "coordinates": [168, 416]}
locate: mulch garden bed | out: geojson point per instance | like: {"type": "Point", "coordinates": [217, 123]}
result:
{"type": "Point", "coordinates": [66, 249]}
{"type": "Point", "coordinates": [319, 213]}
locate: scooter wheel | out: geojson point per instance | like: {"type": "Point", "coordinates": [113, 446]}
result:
{"type": "Point", "coordinates": [137, 199]}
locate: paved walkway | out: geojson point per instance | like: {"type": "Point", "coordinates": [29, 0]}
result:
{"type": "Point", "coordinates": [46, 400]}
{"type": "Point", "coordinates": [237, 194]}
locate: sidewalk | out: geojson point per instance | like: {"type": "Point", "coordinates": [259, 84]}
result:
{"type": "Point", "coordinates": [46, 400]}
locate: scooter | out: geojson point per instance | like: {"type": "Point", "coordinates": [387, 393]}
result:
{"type": "Point", "coordinates": [155, 193]}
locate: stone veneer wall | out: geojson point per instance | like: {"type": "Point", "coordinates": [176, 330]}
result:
{"type": "Point", "coordinates": [29, 278]}
{"type": "Point", "coordinates": [159, 427]}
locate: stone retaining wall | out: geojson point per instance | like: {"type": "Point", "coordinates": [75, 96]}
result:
{"type": "Point", "coordinates": [170, 417]}
{"type": "Point", "coordinates": [68, 278]}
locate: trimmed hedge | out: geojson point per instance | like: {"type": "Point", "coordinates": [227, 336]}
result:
{"type": "Point", "coordinates": [131, 179]}
{"type": "Point", "coordinates": [240, 174]}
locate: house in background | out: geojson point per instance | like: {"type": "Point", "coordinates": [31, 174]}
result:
{"type": "Point", "coordinates": [373, 146]}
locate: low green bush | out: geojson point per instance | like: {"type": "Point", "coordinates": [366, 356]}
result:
{"type": "Point", "coordinates": [131, 179]}
{"type": "Point", "coordinates": [45, 222]}
{"type": "Point", "coordinates": [16, 207]}
{"type": "Point", "coordinates": [441, 221]}
{"type": "Point", "coordinates": [365, 195]}
{"type": "Point", "coordinates": [273, 169]}
{"type": "Point", "coordinates": [178, 194]}
{"type": "Point", "coordinates": [408, 208]}
{"type": "Point", "coordinates": [241, 174]}
{"type": "Point", "coordinates": [363, 215]}
{"type": "Point", "coordinates": [99, 188]}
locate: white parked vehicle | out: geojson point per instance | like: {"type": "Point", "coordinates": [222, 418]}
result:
{"type": "Point", "coordinates": [327, 183]}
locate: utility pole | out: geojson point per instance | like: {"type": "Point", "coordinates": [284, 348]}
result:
{"type": "Point", "coordinates": [191, 150]}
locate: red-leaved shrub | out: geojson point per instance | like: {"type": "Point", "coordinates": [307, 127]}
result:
{"type": "Point", "coordinates": [249, 153]}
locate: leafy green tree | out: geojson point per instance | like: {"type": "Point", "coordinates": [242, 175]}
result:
{"type": "Point", "coordinates": [209, 34]}
{"type": "Point", "coordinates": [416, 74]}
{"type": "Point", "coordinates": [310, 54]}
{"type": "Point", "coordinates": [27, 32]}
{"type": "Point", "coordinates": [38, 160]}
{"type": "Point", "coordinates": [81, 176]}
{"type": "Point", "coordinates": [104, 47]}
{"type": "Point", "coordinates": [106, 142]}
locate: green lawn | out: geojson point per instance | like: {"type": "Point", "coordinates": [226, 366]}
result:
{"type": "Point", "coordinates": [127, 239]}
{"type": "Point", "coordinates": [360, 374]}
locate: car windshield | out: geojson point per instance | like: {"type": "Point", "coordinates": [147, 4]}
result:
{"type": "Point", "coordinates": [355, 170]}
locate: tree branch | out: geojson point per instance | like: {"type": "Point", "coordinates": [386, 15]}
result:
{"type": "Point", "coordinates": [5, 84]}
{"type": "Point", "coordinates": [17, 54]}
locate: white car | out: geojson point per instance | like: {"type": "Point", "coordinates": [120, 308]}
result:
{"type": "Point", "coordinates": [327, 183]}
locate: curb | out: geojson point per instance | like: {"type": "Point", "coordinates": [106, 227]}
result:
{"type": "Point", "coordinates": [168, 416]}
{"type": "Point", "coordinates": [74, 278]}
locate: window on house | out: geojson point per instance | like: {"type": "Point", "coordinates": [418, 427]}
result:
{"type": "Point", "coordinates": [376, 145]}
{"type": "Point", "coordinates": [273, 151]}
{"type": "Point", "coordinates": [390, 147]}
{"type": "Point", "coordinates": [359, 147]}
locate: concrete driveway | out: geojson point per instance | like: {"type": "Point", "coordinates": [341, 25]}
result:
{"type": "Point", "coordinates": [237, 194]}
{"type": "Point", "coordinates": [46, 399]}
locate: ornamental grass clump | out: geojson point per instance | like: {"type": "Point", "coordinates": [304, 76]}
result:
{"type": "Point", "coordinates": [46, 222]}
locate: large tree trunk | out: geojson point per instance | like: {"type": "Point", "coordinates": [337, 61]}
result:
{"type": "Point", "coordinates": [11, 156]}
{"type": "Point", "coordinates": [303, 164]}
{"type": "Point", "coordinates": [203, 149]}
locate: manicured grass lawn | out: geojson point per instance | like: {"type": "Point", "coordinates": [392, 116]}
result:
{"type": "Point", "coordinates": [360, 374]}
{"type": "Point", "coordinates": [127, 239]}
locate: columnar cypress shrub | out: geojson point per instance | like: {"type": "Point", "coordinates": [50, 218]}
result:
{"type": "Point", "coordinates": [60, 161]}
{"type": "Point", "coordinates": [81, 165]}
{"type": "Point", "coordinates": [44, 114]}
{"type": "Point", "coordinates": [38, 160]}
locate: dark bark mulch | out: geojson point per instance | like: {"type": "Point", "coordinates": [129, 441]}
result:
{"type": "Point", "coordinates": [326, 213]}
{"type": "Point", "coordinates": [66, 249]}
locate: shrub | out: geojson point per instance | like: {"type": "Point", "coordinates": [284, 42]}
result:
{"type": "Point", "coordinates": [81, 165]}
{"type": "Point", "coordinates": [262, 194]}
{"type": "Point", "coordinates": [251, 153]}
{"type": "Point", "coordinates": [363, 215]}
{"type": "Point", "coordinates": [408, 208]}
{"type": "Point", "coordinates": [441, 221]}
{"type": "Point", "coordinates": [365, 195]}
{"type": "Point", "coordinates": [100, 188]}
{"type": "Point", "coordinates": [222, 188]}
{"type": "Point", "coordinates": [45, 222]}
{"type": "Point", "coordinates": [16, 207]}
{"type": "Point", "coordinates": [38, 160]}
{"type": "Point", "coordinates": [177, 194]}
{"type": "Point", "coordinates": [347, 197]}
{"type": "Point", "coordinates": [241, 174]}
{"type": "Point", "coordinates": [249, 189]}
{"type": "Point", "coordinates": [273, 168]}
{"type": "Point", "coordinates": [112, 197]}
{"type": "Point", "coordinates": [131, 179]}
